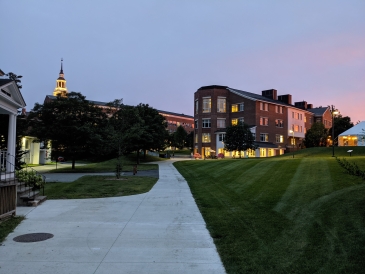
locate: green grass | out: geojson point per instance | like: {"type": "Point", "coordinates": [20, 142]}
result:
{"type": "Point", "coordinates": [8, 226]}
{"type": "Point", "coordinates": [99, 187]}
{"type": "Point", "coordinates": [283, 215]}
{"type": "Point", "coordinates": [109, 165]}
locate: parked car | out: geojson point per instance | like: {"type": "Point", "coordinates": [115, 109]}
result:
{"type": "Point", "coordinates": [197, 155]}
{"type": "Point", "coordinates": [61, 159]}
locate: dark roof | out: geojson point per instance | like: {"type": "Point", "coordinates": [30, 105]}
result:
{"type": "Point", "coordinates": [318, 111]}
{"type": "Point", "coordinates": [213, 86]}
{"type": "Point", "coordinates": [94, 102]}
{"type": "Point", "coordinates": [176, 114]}
{"type": "Point", "coordinates": [5, 81]}
{"type": "Point", "coordinates": [60, 78]}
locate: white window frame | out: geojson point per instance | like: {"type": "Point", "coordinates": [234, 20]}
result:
{"type": "Point", "coordinates": [206, 123]}
{"type": "Point", "coordinates": [207, 104]}
{"type": "Point", "coordinates": [221, 104]}
{"type": "Point", "coordinates": [264, 137]}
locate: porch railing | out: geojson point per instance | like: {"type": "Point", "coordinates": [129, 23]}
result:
{"type": "Point", "coordinates": [8, 187]}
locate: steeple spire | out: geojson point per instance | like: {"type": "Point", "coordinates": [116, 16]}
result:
{"type": "Point", "coordinates": [61, 88]}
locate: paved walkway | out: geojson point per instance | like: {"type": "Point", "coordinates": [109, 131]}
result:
{"type": "Point", "coordinates": [161, 231]}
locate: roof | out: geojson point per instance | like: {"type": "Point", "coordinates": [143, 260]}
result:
{"type": "Point", "coordinates": [176, 114]}
{"type": "Point", "coordinates": [4, 81]}
{"type": "Point", "coordinates": [318, 111]}
{"type": "Point", "coordinates": [358, 129]}
{"type": "Point", "coordinates": [266, 145]}
{"type": "Point", "coordinates": [52, 97]}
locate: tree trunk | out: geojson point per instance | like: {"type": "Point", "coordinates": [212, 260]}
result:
{"type": "Point", "coordinates": [144, 153]}
{"type": "Point", "coordinates": [137, 156]}
{"type": "Point", "coordinates": [73, 162]}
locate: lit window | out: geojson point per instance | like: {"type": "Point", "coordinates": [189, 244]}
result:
{"type": "Point", "coordinates": [279, 138]}
{"type": "Point", "coordinates": [264, 137]}
{"type": "Point", "coordinates": [305, 119]}
{"type": "Point", "coordinates": [196, 138]}
{"type": "Point", "coordinates": [264, 106]}
{"type": "Point", "coordinates": [206, 137]}
{"type": "Point", "coordinates": [207, 105]}
{"type": "Point", "coordinates": [276, 109]}
{"type": "Point", "coordinates": [206, 123]}
{"type": "Point", "coordinates": [221, 105]}
{"type": "Point", "coordinates": [281, 109]}
{"type": "Point", "coordinates": [234, 108]}
{"type": "Point", "coordinates": [234, 122]}
{"type": "Point", "coordinates": [296, 128]}
{"type": "Point", "coordinates": [264, 121]}
{"type": "Point", "coordinates": [221, 123]}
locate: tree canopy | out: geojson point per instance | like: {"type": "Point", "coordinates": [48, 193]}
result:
{"type": "Point", "coordinates": [75, 126]}
{"type": "Point", "coordinates": [341, 124]}
{"type": "Point", "coordinates": [316, 136]}
{"type": "Point", "coordinates": [239, 138]}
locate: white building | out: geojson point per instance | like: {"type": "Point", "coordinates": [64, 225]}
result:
{"type": "Point", "coordinates": [354, 136]}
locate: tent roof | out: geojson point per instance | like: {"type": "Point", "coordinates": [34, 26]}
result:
{"type": "Point", "coordinates": [355, 130]}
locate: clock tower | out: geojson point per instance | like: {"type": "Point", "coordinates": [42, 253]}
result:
{"type": "Point", "coordinates": [61, 88]}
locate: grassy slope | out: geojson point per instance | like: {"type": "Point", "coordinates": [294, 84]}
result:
{"type": "Point", "coordinates": [99, 187]}
{"type": "Point", "coordinates": [8, 226]}
{"type": "Point", "coordinates": [282, 215]}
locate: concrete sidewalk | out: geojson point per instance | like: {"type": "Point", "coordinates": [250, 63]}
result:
{"type": "Point", "coordinates": [158, 232]}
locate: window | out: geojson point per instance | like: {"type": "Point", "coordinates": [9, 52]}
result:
{"type": "Point", "coordinates": [264, 137]}
{"type": "Point", "coordinates": [241, 120]}
{"type": "Point", "coordinates": [196, 106]}
{"type": "Point", "coordinates": [279, 123]}
{"type": "Point", "coordinates": [234, 122]}
{"type": "Point", "coordinates": [206, 123]}
{"type": "Point", "coordinates": [300, 116]}
{"type": "Point", "coordinates": [221, 123]}
{"type": "Point", "coordinates": [292, 114]}
{"type": "Point", "coordinates": [206, 137]}
{"type": "Point", "coordinates": [277, 109]}
{"type": "Point", "coordinates": [296, 128]}
{"type": "Point", "coordinates": [279, 138]}
{"type": "Point", "coordinates": [221, 105]}
{"type": "Point", "coordinates": [264, 121]}
{"type": "Point", "coordinates": [207, 105]}
{"type": "Point", "coordinates": [292, 141]}
{"type": "Point", "coordinates": [281, 109]}
{"type": "Point", "coordinates": [297, 115]}
{"type": "Point", "coordinates": [305, 119]}
{"type": "Point", "coordinates": [301, 129]}
{"type": "Point", "coordinates": [196, 123]}
{"type": "Point", "coordinates": [221, 137]}
{"type": "Point", "coordinates": [234, 108]}
{"type": "Point", "coordinates": [196, 138]}
{"type": "Point", "coordinates": [264, 106]}
{"type": "Point", "coordinates": [242, 106]}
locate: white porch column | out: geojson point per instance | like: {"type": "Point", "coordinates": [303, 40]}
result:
{"type": "Point", "coordinates": [11, 143]}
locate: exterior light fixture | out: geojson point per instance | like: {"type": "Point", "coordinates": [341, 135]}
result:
{"type": "Point", "coordinates": [292, 131]}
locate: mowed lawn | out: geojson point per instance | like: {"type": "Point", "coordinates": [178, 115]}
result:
{"type": "Point", "coordinates": [282, 215]}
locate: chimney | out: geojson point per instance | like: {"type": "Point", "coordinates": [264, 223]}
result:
{"type": "Point", "coordinates": [285, 98]}
{"type": "Point", "coordinates": [270, 93]}
{"type": "Point", "coordinates": [302, 105]}
{"type": "Point", "coordinates": [309, 106]}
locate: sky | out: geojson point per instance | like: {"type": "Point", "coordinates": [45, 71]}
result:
{"type": "Point", "coordinates": [159, 52]}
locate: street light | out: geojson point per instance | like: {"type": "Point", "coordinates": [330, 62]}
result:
{"type": "Point", "coordinates": [333, 113]}
{"type": "Point", "coordinates": [292, 131]}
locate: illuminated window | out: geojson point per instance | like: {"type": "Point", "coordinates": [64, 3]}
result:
{"type": "Point", "coordinates": [221, 105]}
{"type": "Point", "coordinates": [234, 108]}
{"type": "Point", "coordinates": [281, 109]}
{"type": "Point", "coordinates": [279, 138]}
{"type": "Point", "coordinates": [196, 138]}
{"type": "Point", "coordinates": [221, 123]}
{"type": "Point", "coordinates": [264, 106]}
{"type": "Point", "coordinates": [207, 105]}
{"type": "Point", "coordinates": [277, 109]}
{"type": "Point", "coordinates": [206, 137]}
{"type": "Point", "coordinates": [206, 123]}
{"type": "Point", "coordinates": [264, 137]}
{"type": "Point", "coordinates": [234, 122]}
{"type": "Point", "coordinates": [296, 128]}
{"type": "Point", "coordinates": [305, 119]}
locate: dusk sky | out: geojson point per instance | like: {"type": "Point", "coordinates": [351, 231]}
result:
{"type": "Point", "coordinates": [161, 52]}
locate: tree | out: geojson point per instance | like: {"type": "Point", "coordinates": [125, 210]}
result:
{"type": "Point", "coordinates": [15, 78]}
{"type": "Point", "coordinates": [239, 138]}
{"type": "Point", "coordinates": [180, 137]}
{"type": "Point", "coordinates": [190, 140]}
{"type": "Point", "coordinates": [75, 126]}
{"type": "Point", "coordinates": [316, 136]}
{"type": "Point", "coordinates": [341, 124]}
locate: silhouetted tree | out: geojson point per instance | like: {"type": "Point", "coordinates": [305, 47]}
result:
{"type": "Point", "coordinates": [239, 138]}
{"type": "Point", "coordinates": [316, 136]}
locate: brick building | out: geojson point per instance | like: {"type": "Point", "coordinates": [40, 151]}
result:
{"type": "Point", "coordinates": [276, 123]}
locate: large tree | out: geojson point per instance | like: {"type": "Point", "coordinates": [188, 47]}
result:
{"type": "Point", "coordinates": [341, 124]}
{"type": "Point", "coordinates": [180, 137]}
{"type": "Point", "coordinates": [239, 138]}
{"type": "Point", "coordinates": [75, 126]}
{"type": "Point", "coordinates": [316, 136]}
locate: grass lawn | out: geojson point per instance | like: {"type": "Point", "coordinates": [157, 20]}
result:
{"type": "Point", "coordinates": [109, 165]}
{"type": "Point", "coordinates": [99, 187]}
{"type": "Point", "coordinates": [8, 226]}
{"type": "Point", "coordinates": [283, 215]}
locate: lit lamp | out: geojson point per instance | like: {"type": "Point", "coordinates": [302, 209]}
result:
{"type": "Point", "coordinates": [292, 131]}
{"type": "Point", "coordinates": [333, 112]}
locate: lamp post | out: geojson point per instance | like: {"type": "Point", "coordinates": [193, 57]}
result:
{"type": "Point", "coordinates": [333, 113]}
{"type": "Point", "coordinates": [292, 131]}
